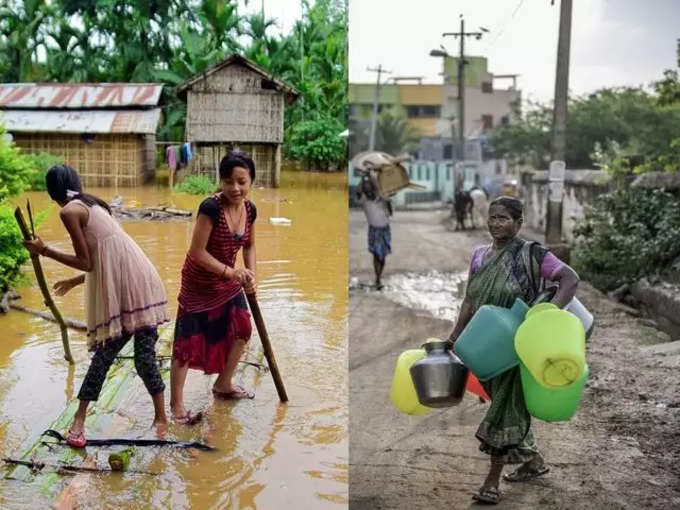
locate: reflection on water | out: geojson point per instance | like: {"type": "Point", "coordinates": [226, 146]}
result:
{"type": "Point", "coordinates": [270, 455]}
{"type": "Point", "coordinates": [435, 292]}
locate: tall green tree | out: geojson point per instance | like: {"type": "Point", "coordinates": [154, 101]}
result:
{"type": "Point", "coordinates": [170, 40]}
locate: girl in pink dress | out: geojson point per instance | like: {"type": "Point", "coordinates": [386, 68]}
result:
{"type": "Point", "coordinates": [124, 295]}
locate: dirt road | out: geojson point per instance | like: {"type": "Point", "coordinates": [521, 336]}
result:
{"type": "Point", "coordinates": [622, 450]}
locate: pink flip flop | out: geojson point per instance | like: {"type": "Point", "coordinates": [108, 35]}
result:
{"type": "Point", "coordinates": [76, 440]}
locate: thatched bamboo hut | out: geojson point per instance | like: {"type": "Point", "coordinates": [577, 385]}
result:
{"type": "Point", "coordinates": [236, 104]}
{"type": "Point", "coordinates": [107, 131]}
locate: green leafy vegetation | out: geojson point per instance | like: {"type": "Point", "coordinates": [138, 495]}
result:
{"type": "Point", "coordinates": [168, 42]}
{"type": "Point", "coordinates": [196, 185]}
{"type": "Point", "coordinates": [629, 233]}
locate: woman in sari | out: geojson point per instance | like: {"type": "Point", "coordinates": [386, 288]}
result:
{"type": "Point", "coordinates": [507, 269]}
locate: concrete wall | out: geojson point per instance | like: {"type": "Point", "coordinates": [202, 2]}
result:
{"type": "Point", "coordinates": [477, 103]}
{"type": "Point", "coordinates": [581, 188]}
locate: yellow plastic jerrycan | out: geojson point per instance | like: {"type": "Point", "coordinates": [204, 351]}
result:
{"type": "Point", "coordinates": [403, 393]}
{"type": "Point", "coordinates": [551, 344]}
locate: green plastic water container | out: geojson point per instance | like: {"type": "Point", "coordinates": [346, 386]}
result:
{"type": "Point", "coordinates": [558, 404]}
{"type": "Point", "coordinates": [551, 344]}
{"type": "Point", "coordinates": [403, 393]}
{"type": "Point", "coordinates": [486, 345]}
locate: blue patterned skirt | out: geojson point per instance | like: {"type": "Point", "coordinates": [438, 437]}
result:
{"type": "Point", "coordinates": [380, 241]}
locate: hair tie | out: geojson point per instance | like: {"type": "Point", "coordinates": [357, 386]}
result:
{"type": "Point", "coordinates": [70, 193]}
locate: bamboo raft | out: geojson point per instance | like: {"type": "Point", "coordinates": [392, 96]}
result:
{"type": "Point", "coordinates": [120, 376]}
{"type": "Point", "coordinates": [100, 417]}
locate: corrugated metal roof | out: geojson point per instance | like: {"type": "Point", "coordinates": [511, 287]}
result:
{"type": "Point", "coordinates": [83, 121]}
{"type": "Point", "coordinates": [78, 95]}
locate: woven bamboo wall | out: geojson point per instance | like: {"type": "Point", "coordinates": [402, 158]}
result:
{"type": "Point", "coordinates": [266, 157]}
{"type": "Point", "coordinates": [108, 160]}
{"type": "Point", "coordinates": [232, 104]}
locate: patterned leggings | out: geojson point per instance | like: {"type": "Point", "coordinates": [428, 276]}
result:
{"type": "Point", "coordinates": [145, 364]}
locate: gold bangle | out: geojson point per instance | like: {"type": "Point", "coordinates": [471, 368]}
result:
{"type": "Point", "coordinates": [223, 271]}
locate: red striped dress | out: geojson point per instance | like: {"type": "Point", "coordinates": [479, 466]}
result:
{"type": "Point", "coordinates": [212, 311]}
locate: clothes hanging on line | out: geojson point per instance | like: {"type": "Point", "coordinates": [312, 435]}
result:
{"type": "Point", "coordinates": [171, 157]}
{"type": "Point", "coordinates": [185, 153]}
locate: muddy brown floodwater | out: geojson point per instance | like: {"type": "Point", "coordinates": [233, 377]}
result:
{"type": "Point", "coordinates": [270, 455]}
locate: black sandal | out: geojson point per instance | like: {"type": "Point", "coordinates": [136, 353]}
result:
{"type": "Point", "coordinates": [490, 495]}
{"type": "Point", "coordinates": [524, 474]}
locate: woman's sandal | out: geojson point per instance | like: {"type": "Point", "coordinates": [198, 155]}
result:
{"type": "Point", "coordinates": [524, 474]}
{"type": "Point", "coordinates": [490, 495]}
{"type": "Point", "coordinates": [238, 393]}
{"type": "Point", "coordinates": [76, 440]}
{"type": "Point", "coordinates": [188, 419]}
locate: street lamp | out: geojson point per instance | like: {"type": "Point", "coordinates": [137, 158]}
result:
{"type": "Point", "coordinates": [441, 52]}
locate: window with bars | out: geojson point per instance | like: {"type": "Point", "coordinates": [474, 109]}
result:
{"type": "Point", "coordinates": [423, 111]}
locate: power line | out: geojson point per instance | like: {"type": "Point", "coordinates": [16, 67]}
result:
{"type": "Point", "coordinates": [505, 25]}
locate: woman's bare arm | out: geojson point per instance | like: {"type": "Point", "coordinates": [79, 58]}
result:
{"type": "Point", "coordinates": [567, 280]}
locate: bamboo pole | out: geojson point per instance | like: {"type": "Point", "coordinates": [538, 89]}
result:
{"type": "Point", "coordinates": [40, 276]}
{"type": "Point", "coordinates": [267, 347]}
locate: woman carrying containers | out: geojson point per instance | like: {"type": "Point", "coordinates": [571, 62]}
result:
{"type": "Point", "coordinates": [507, 269]}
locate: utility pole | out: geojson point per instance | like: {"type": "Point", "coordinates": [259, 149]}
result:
{"type": "Point", "coordinates": [461, 81]}
{"type": "Point", "coordinates": [374, 118]}
{"type": "Point", "coordinates": [553, 224]}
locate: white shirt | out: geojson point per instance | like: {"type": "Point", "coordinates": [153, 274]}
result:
{"type": "Point", "coordinates": [376, 211]}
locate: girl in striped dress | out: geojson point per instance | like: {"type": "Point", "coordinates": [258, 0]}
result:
{"type": "Point", "coordinates": [213, 322]}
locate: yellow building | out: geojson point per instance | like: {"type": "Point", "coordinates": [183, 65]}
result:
{"type": "Point", "coordinates": [432, 110]}
{"type": "Point", "coordinates": [420, 103]}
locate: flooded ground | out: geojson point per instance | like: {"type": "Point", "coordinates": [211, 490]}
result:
{"type": "Point", "coordinates": [270, 455]}
{"type": "Point", "coordinates": [435, 292]}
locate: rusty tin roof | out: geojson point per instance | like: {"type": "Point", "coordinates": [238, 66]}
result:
{"type": "Point", "coordinates": [79, 95]}
{"type": "Point", "coordinates": [81, 121]}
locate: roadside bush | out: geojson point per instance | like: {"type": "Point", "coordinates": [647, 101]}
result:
{"type": "Point", "coordinates": [196, 185]}
{"type": "Point", "coordinates": [629, 233]}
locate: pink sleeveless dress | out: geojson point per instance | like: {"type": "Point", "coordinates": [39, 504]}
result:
{"type": "Point", "coordinates": [123, 292]}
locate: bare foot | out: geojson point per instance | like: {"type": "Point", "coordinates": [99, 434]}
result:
{"type": "Point", "coordinates": [161, 427]}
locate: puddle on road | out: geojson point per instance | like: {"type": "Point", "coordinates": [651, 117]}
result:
{"type": "Point", "coordinates": [437, 293]}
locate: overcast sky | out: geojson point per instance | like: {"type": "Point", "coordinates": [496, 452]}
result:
{"type": "Point", "coordinates": [286, 12]}
{"type": "Point", "coordinates": [614, 42]}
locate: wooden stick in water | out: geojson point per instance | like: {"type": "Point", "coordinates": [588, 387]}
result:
{"type": "Point", "coordinates": [267, 347]}
{"type": "Point", "coordinates": [30, 218]}
{"type": "Point", "coordinates": [71, 323]}
{"type": "Point", "coordinates": [40, 276]}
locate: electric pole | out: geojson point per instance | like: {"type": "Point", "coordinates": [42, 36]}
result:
{"type": "Point", "coordinates": [461, 81]}
{"type": "Point", "coordinates": [553, 224]}
{"type": "Point", "coordinates": [374, 118]}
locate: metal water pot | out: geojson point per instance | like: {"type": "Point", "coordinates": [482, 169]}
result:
{"type": "Point", "coordinates": [439, 378]}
